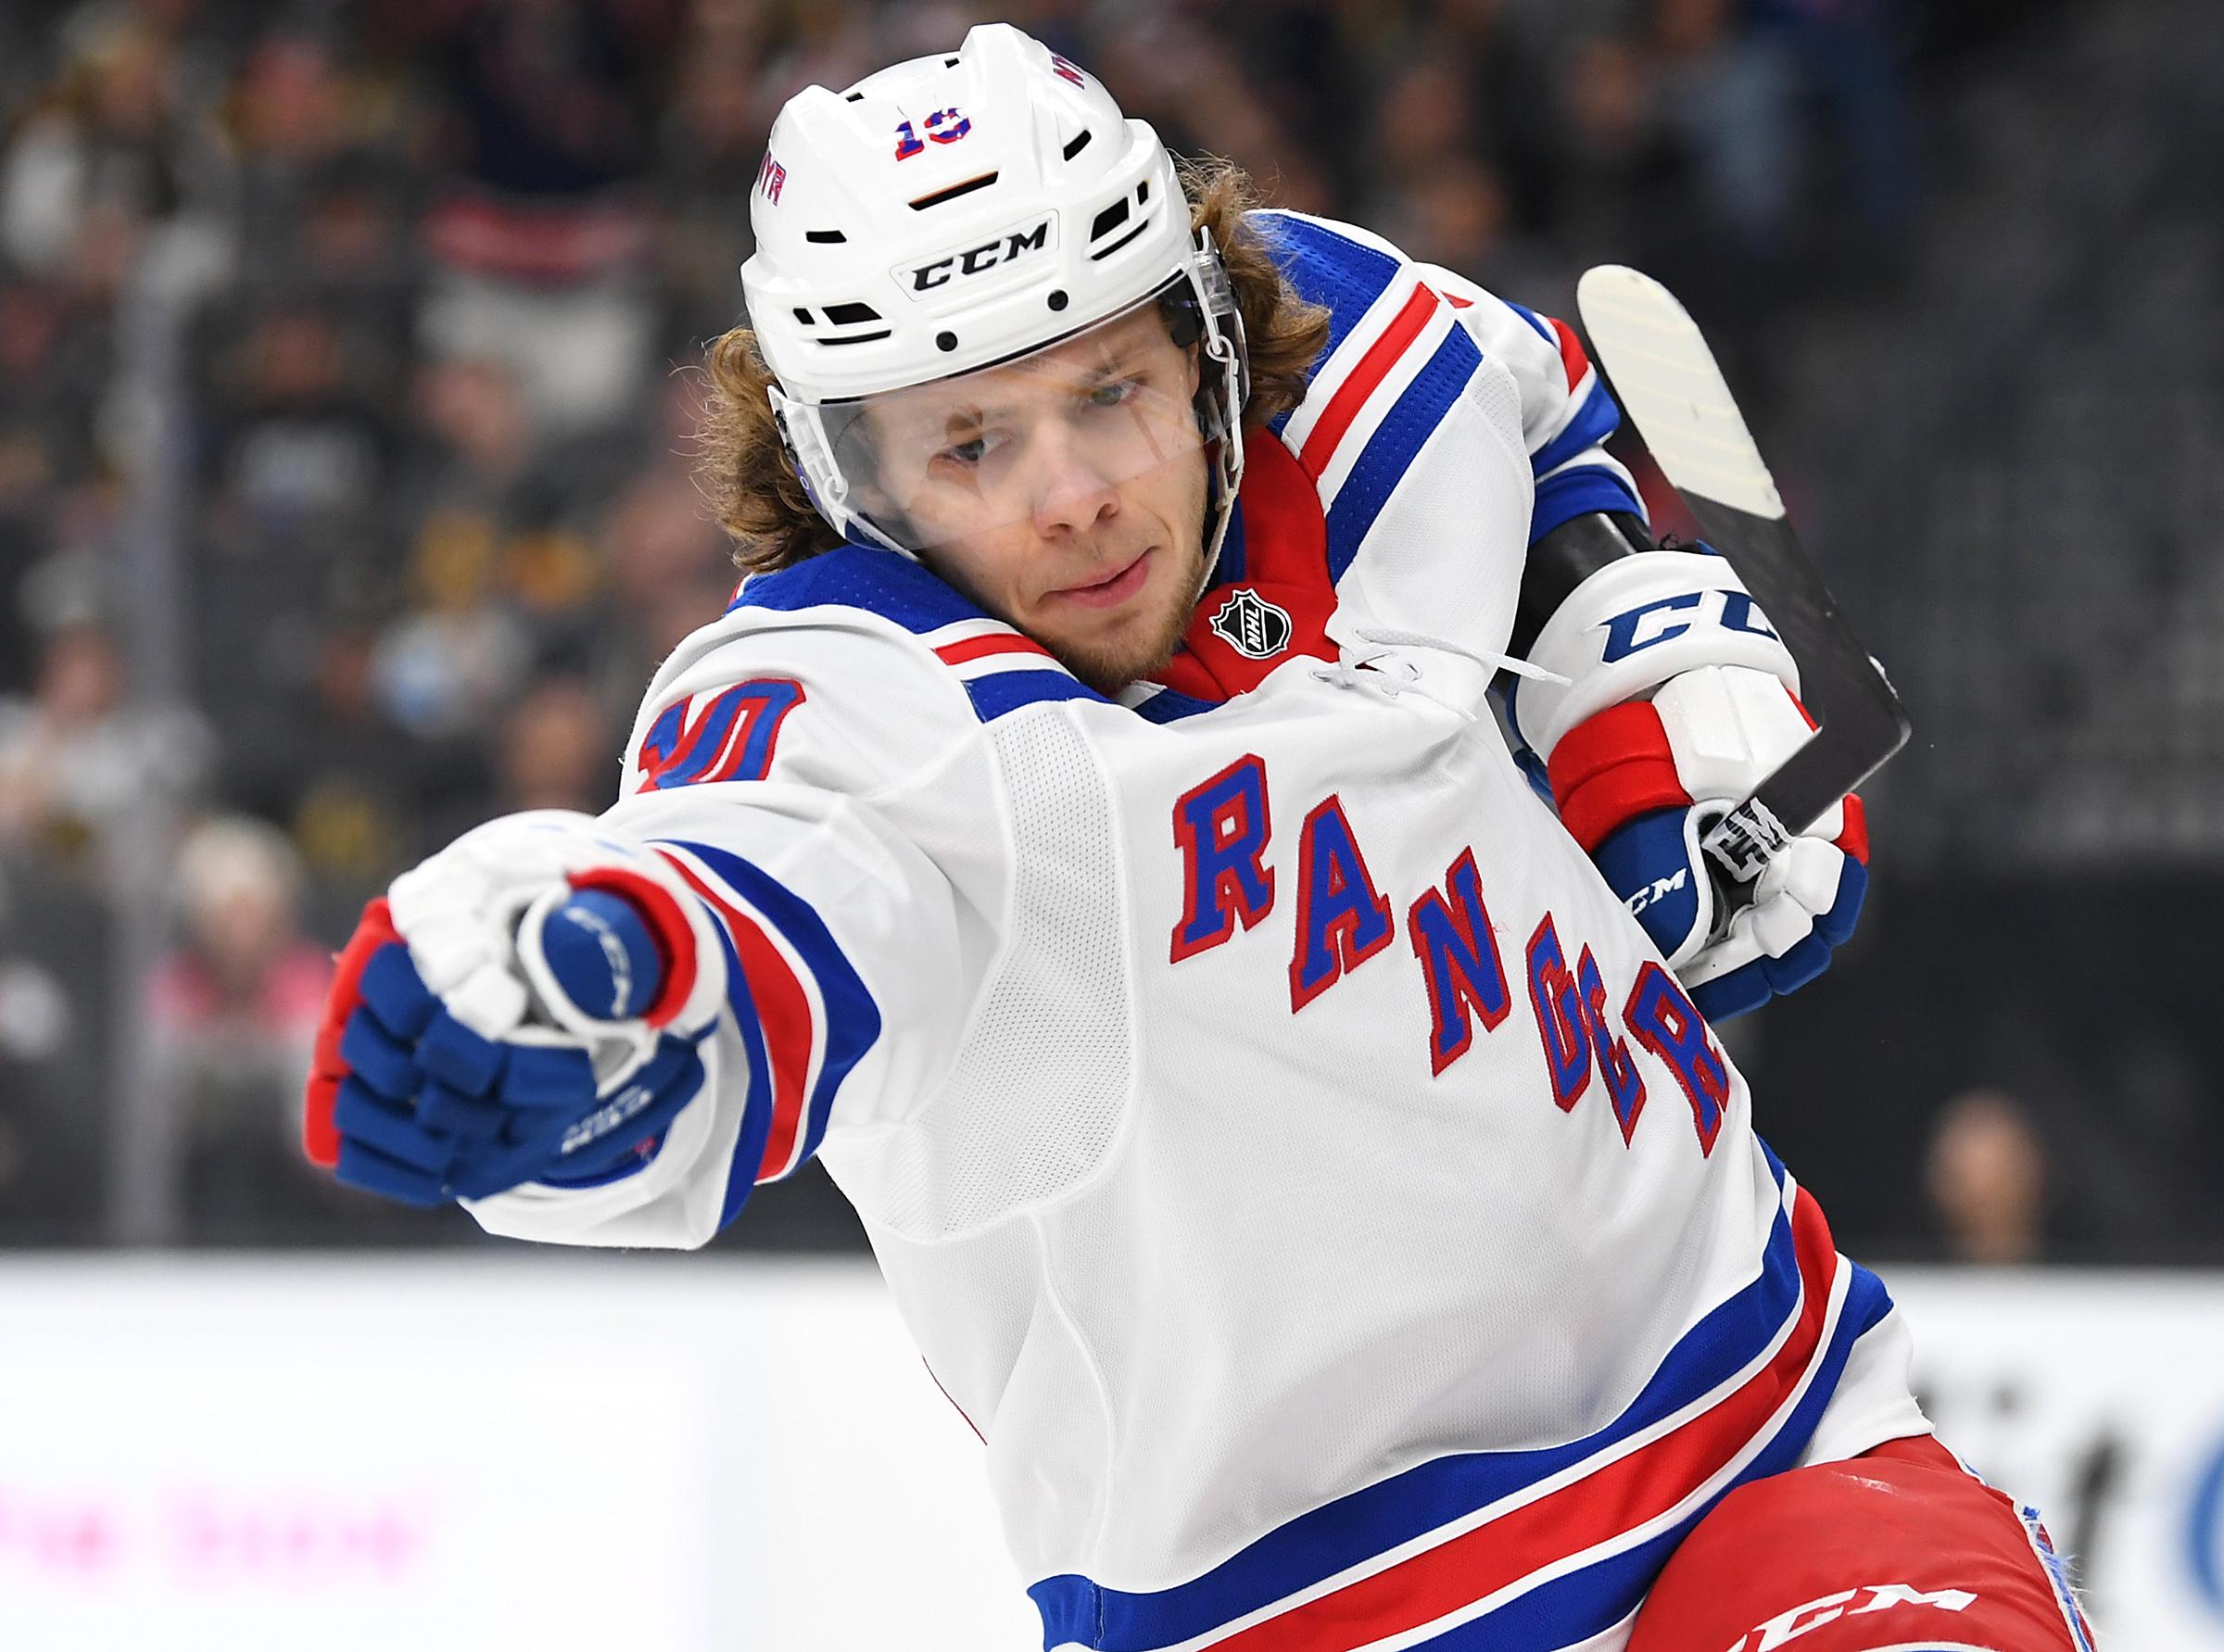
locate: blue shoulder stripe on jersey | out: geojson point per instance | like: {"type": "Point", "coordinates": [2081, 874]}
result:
{"type": "Point", "coordinates": [852, 1018]}
{"type": "Point", "coordinates": [897, 588]}
{"type": "Point", "coordinates": [1543, 329]}
{"type": "Point", "coordinates": [1381, 1517]}
{"type": "Point", "coordinates": [1343, 275]}
{"type": "Point", "coordinates": [1574, 492]}
{"type": "Point", "coordinates": [1593, 422]}
{"type": "Point", "coordinates": [865, 577]}
{"type": "Point", "coordinates": [1010, 690]}
{"type": "Point", "coordinates": [1391, 449]}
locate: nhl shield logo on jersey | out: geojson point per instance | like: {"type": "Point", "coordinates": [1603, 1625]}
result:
{"type": "Point", "coordinates": [1252, 627]}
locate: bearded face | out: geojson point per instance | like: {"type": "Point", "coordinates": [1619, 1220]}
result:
{"type": "Point", "coordinates": [1065, 492]}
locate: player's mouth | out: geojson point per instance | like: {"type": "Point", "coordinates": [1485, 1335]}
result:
{"type": "Point", "coordinates": [1114, 588]}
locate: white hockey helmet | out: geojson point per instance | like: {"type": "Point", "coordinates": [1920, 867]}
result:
{"type": "Point", "coordinates": [963, 212]}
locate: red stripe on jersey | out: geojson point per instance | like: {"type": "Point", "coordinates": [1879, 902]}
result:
{"type": "Point", "coordinates": [1617, 1498]}
{"type": "Point", "coordinates": [1364, 379]}
{"type": "Point", "coordinates": [1573, 361]}
{"type": "Point", "coordinates": [783, 1012]}
{"type": "Point", "coordinates": [996, 642]}
{"type": "Point", "coordinates": [1457, 302]}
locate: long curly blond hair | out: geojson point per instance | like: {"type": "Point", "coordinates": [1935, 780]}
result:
{"type": "Point", "coordinates": [760, 501]}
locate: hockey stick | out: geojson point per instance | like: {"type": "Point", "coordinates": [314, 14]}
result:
{"type": "Point", "coordinates": [1669, 385]}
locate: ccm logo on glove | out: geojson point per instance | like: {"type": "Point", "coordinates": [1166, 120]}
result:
{"type": "Point", "coordinates": [1651, 624]}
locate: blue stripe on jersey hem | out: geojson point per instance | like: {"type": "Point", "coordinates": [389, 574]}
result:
{"type": "Point", "coordinates": [1564, 1610]}
{"type": "Point", "coordinates": [1343, 275]}
{"type": "Point", "coordinates": [1390, 451]}
{"type": "Point", "coordinates": [1365, 1523]}
{"type": "Point", "coordinates": [1568, 1609]}
{"type": "Point", "coordinates": [1006, 691]}
{"type": "Point", "coordinates": [1573, 493]}
{"type": "Point", "coordinates": [853, 1018]}
{"type": "Point", "coordinates": [1593, 422]}
{"type": "Point", "coordinates": [1588, 1602]}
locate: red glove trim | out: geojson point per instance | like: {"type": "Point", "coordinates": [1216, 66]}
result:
{"type": "Point", "coordinates": [1632, 729]}
{"type": "Point", "coordinates": [1854, 839]}
{"type": "Point", "coordinates": [667, 927]}
{"type": "Point", "coordinates": [375, 929]}
{"type": "Point", "coordinates": [1611, 768]}
{"type": "Point", "coordinates": [1594, 811]}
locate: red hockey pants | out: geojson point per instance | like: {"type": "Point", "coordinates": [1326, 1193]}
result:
{"type": "Point", "coordinates": [1898, 1549]}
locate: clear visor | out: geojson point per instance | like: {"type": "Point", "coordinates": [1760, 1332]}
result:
{"type": "Point", "coordinates": [1048, 437]}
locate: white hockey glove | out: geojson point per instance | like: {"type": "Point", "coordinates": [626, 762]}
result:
{"type": "Point", "coordinates": [1681, 699]}
{"type": "Point", "coordinates": [523, 1006]}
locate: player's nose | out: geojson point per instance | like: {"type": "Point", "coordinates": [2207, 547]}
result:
{"type": "Point", "coordinates": [1074, 489]}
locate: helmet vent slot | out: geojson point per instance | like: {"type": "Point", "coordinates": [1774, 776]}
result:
{"type": "Point", "coordinates": [860, 338]}
{"type": "Point", "coordinates": [826, 237]}
{"type": "Point", "coordinates": [849, 315]}
{"type": "Point", "coordinates": [940, 195]}
{"type": "Point", "coordinates": [1143, 192]}
{"type": "Point", "coordinates": [1078, 143]}
{"type": "Point", "coordinates": [1106, 252]}
{"type": "Point", "coordinates": [1110, 218]}
{"type": "Point", "coordinates": [805, 317]}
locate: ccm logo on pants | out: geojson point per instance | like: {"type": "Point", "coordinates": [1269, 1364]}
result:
{"type": "Point", "coordinates": [1789, 1626]}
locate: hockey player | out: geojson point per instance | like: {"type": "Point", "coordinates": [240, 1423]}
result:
{"type": "Point", "coordinates": [1087, 832]}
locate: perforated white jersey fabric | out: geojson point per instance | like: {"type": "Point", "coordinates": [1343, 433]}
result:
{"type": "Point", "coordinates": [1286, 1151]}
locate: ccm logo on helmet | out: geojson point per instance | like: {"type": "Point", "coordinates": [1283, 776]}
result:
{"type": "Point", "coordinates": [977, 260]}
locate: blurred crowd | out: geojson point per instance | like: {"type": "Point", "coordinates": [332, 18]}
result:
{"type": "Point", "coordinates": [346, 394]}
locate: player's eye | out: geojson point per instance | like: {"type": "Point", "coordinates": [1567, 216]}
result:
{"type": "Point", "coordinates": [969, 452]}
{"type": "Point", "coordinates": [1112, 394]}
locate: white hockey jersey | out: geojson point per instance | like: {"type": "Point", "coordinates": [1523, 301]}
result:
{"type": "Point", "coordinates": [1289, 1156]}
